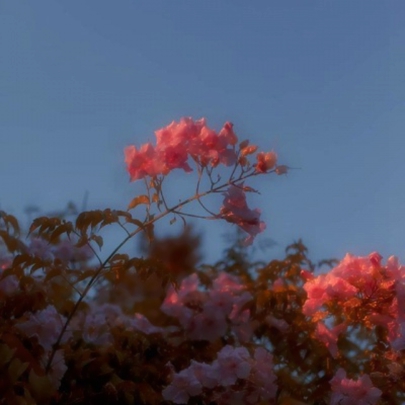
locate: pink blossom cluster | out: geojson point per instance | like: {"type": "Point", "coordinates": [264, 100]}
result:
{"type": "Point", "coordinates": [232, 364]}
{"type": "Point", "coordinates": [95, 326]}
{"type": "Point", "coordinates": [346, 391]}
{"type": "Point", "coordinates": [180, 142]}
{"type": "Point", "coordinates": [45, 326]}
{"type": "Point", "coordinates": [176, 143]}
{"type": "Point", "coordinates": [208, 314]}
{"type": "Point", "coordinates": [236, 211]}
{"type": "Point", "coordinates": [65, 250]}
{"type": "Point", "coordinates": [97, 323]}
{"type": "Point", "coordinates": [363, 283]}
{"type": "Point", "coordinates": [9, 285]}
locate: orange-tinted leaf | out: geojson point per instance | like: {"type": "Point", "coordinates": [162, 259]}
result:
{"type": "Point", "coordinates": [49, 225]}
{"type": "Point", "coordinates": [88, 218]}
{"type": "Point", "coordinates": [243, 144]}
{"type": "Point", "coordinates": [41, 387]}
{"type": "Point", "coordinates": [36, 223]}
{"type": "Point", "coordinates": [67, 228]}
{"type": "Point", "coordinates": [109, 217]}
{"type": "Point", "coordinates": [136, 222]}
{"type": "Point", "coordinates": [142, 199]}
{"type": "Point", "coordinates": [11, 242]}
{"type": "Point", "coordinates": [53, 273]}
{"type": "Point", "coordinates": [119, 257]}
{"type": "Point", "coordinates": [10, 220]}
{"type": "Point", "coordinates": [6, 354]}
{"type": "Point", "coordinates": [124, 214]}
{"type": "Point", "coordinates": [155, 198]}
{"type": "Point", "coordinates": [98, 239]}
{"type": "Point", "coordinates": [23, 258]}
{"type": "Point", "coordinates": [85, 274]}
{"type": "Point", "coordinates": [82, 241]}
{"type": "Point", "coordinates": [16, 368]}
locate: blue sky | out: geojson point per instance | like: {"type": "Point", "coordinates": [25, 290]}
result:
{"type": "Point", "coordinates": [321, 82]}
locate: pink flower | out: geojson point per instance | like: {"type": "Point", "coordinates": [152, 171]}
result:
{"type": "Point", "coordinates": [9, 285]}
{"type": "Point", "coordinates": [262, 377]}
{"type": "Point", "coordinates": [233, 363]}
{"type": "Point", "coordinates": [40, 248]}
{"type": "Point", "coordinates": [143, 162]}
{"type": "Point", "coordinates": [324, 288]}
{"type": "Point", "coordinates": [358, 271]}
{"type": "Point", "coordinates": [174, 303]}
{"type": "Point", "coordinates": [183, 386]}
{"type": "Point", "coordinates": [279, 324]}
{"type": "Point", "coordinates": [227, 282]}
{"type": "Point", "coordinates": [181, 133]}
{"type": "Point", "coordinates": [353, 392]}
{"type": "Point", "coordinates": [46, 325]}
{"type": "Point", "coordinates": [98, 322]}
{"type": "Point", "coordinates": [219, 302]}
{"type": "Point", "coordinates": [210, 148]}
{"type": "Point", "coordinates": [66, 251]}
{"type": "Point", "coordinates": [207, 374]}
{"type": "Point", "coordinates": [329, 336]}
{"type": "Point", "coordinates": [242, 326]}
{"type": "Point", "coordinates": [316, 294]}
{"type": "Point", "coordinates": [265, 161]}
{"type": "Point", "coordinates": [175, 157]}
{"type": "Point", "coordinates": [399, 342]}
{"type": "Point", "coordinates": [228, 134]}
{"type": "Point", "coordinates": [175, 143]}
{"type": "Point", "coordinates": [207, 325]}
{"type": "Point", "coordinates": [236, 211]}
{"type": "Point", "coordinates": [375, 259]}
{"type": "Point", "coordinates": [141, 323]}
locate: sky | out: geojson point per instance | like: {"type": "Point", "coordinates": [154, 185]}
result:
{"type": "Point", "coordinates": [320, 82]}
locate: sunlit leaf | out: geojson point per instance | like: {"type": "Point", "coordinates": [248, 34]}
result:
{"type": "Point", "coordinates": [16, 368]}
{"type": "Point", "coordinates": [142, 199]}
{"type": "Point", "coordinates": [41, 386]}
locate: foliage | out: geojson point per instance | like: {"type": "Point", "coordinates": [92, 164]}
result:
{"type": "Point", "coordinates": [76, 328]}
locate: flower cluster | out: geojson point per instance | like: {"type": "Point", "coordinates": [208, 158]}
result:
{"type": "Point", "coordinates": [207, 314]}
{"type": "Point", "coordinates": [362, 288]}
{"type": "Point", "coordinates": [236, 210]}
{"type": "Point", "coordinates": [346, 391]}
{"type": "Point", "coordinates": [189, 140]}
{"type": "Point", "coordinates": [232, 364]}
{"type": "Point", "coordinates": [79, 328]}
{"type": "Point", "coordinates": [176, 143]}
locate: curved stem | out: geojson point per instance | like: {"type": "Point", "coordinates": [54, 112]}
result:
{"type": "Point", "coordinates": [102, 266]}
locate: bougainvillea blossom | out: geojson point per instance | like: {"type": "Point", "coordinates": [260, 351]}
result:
{"type": "Point", "coordinates": [183, 386]}
{"type": "Point", "coordinates": [45, 325]}
{"type": "Point", "coordinates": [346, 391]}
{"type": "Point", "coordinates": [265, 161]}
{"type": "Point", "coordinates": [236, 211]}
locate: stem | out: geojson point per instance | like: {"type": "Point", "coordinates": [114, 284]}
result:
{"type": "Point", "coordinates": [197, 196]}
